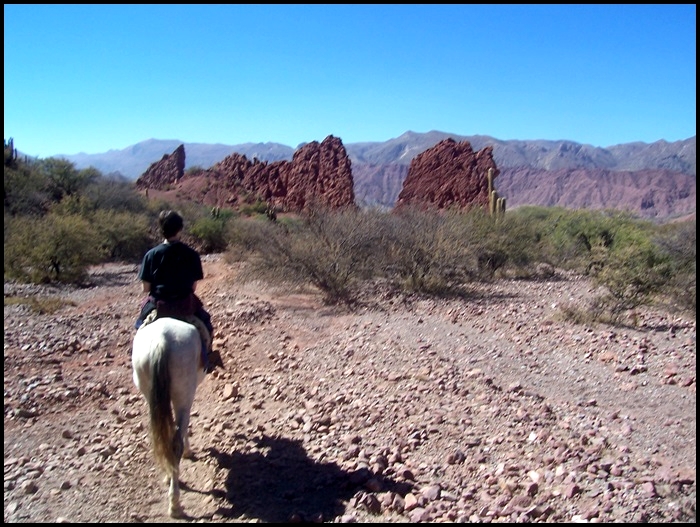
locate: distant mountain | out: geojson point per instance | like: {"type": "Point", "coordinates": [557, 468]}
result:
{"type": "Point", "coordinates": [548, 155]}
{"type": "Point", "coordinates": [537, 172]}
{"type": "Point", "coordinates": [679, 156]}
{"type": "Point", "coordinates": [548, 173]}
{"type": "Point", "coordinates": [134, 160]}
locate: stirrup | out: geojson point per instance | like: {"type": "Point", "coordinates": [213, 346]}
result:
{"type": "Point", "coordinates": [214, 361]}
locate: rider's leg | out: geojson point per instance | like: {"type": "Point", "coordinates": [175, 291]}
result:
{"type": "Point", "coordinates": [146, 308]}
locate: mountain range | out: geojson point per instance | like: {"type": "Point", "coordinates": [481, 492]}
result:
{"type": "Point", "coordinates": [655, 180]}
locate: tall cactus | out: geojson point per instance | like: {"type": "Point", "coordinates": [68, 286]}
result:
{"type": "Point", "coordinates": [501, 206]}
{"type": "Point", "coordinates": [497, 204]}
{"type": "Point", "coordinates": [10, 152]}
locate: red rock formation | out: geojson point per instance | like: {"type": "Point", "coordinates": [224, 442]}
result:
{"type": "Point", "coordinates": [319, 173]}
{"type": "Point", "coordinates": [164, 173]}
{"type": "Point", "coordinates": [450, 174]}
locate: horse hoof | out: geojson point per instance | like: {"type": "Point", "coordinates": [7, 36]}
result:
{"type": "Point", "coordinates": [177, 512]}
{"type": "Point", "coordinates": [188, 455]}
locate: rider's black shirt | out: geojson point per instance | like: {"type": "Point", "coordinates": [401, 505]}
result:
{"type": "Point", "coordinates": [171, 268]}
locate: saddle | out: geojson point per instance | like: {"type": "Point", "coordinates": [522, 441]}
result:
{"type": "Point", "coordinates": [190, 319]}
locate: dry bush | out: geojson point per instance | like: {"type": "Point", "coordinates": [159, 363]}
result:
{"type": "Point", "coordinates": [330, 249]}
{"type": "Point", "coordinates": [424, 251]}
{"type": "Point", "coordinates": [41, 305]}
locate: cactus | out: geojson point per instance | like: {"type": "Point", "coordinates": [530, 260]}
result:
{"type": "Point", "coordinates": [500, 206]}
{"type": "Point", "coordinates": [497, 204]}
{"type": "Point", "coordinates": [10, 152]}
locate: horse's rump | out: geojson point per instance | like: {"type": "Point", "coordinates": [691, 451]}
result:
{"type": "Point", "coordinates": [191, 319]}
{"type": "Point", "coordinates": [174, 341]}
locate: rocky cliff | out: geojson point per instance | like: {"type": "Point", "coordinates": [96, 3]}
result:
{"type": "Point", "coordinates": [655, 180]}
{"type": "Point", "coordinates": [651, 193]}
{"type": "Point", "coordinates": [319, 173]}
{"type": "Point", "coordinates": [165, 173]}
{"type": "Point", "coordinates": [323, 172]}
{"type": "Point", "coordinates": [450, 174]}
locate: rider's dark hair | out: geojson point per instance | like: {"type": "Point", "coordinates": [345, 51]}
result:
{"type": "Point", "coordinates": [170, 223]}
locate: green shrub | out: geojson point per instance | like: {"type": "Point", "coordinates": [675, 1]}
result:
{"type": "Point", "coordinates": [210, 234]}
{"type": "Point", "coordinates": [115, 193]}
{"type": "Point", "coordinates": [632, 275]}
{"type": "Point", "coordinates": [122, 236]}
{"type": "Point", "coordinates": [678, 242]}
{"type": "Point", "coordinates": [576, 239]}
{"type": "Point", "coordinates": [194, 170]}
{"type": "Point", "coordinates": [64, 179]}
{"type": "Point", "coordinates": [55, 248]}
{"type": "Point", "coordinates": [257, 206]}
{"type": "Point", "coordinates": [26, 191]}
{"type": "Point", "coordinates": [493, 246]}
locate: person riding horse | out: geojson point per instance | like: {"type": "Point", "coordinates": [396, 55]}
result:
{"type": "Point", "coordinates": [169, 274]}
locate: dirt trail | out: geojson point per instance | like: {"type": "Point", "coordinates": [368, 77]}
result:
{"type": "Point", "coordinates": [484, 409]}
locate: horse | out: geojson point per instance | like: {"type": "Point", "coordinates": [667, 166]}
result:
{"type": "Point", "coordinates": [167, 370]}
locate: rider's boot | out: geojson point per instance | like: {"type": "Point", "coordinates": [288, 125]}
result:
{"type": "Point", "coordinates": [214, 361]}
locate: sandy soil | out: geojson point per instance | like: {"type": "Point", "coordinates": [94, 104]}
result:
{"type": "Point", "coordinates": [480, 409]}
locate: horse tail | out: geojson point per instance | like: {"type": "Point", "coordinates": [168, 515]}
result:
{"type": "Point", "coordinates": [163, 429]}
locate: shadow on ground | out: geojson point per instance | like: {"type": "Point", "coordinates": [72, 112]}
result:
{"type": "Point", "coordinates": [279, 483]}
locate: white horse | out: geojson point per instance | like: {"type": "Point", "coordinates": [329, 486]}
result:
{"type": "Point", "coordinates": [167, 371]}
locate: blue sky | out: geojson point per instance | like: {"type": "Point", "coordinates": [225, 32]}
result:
{"type": "Point", "coordinates": [90, 78]}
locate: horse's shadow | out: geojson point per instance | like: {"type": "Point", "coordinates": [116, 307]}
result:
{"type": "Point", "coordinates": [280, 483]}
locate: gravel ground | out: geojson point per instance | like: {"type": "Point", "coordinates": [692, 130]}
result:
{"type": "Point", "coordinates": [487, 408]}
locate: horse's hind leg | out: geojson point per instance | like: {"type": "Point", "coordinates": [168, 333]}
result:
{"type": "Point", "coordinates": [182, 418]}
{"type": "Point", "coordinates": [188, 453]}
{"type": "Point", "coordinates": [175, 507]}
